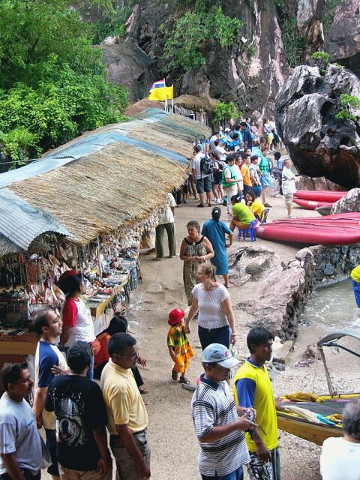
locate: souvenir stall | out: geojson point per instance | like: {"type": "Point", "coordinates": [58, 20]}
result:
{"type": "Point", "coordinates": [110, 268]}
{"type": "Point", "coordinates": [85, 206]}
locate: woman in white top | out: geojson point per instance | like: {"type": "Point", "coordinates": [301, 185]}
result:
{"type": "Point", "coordinates": [211, 300]}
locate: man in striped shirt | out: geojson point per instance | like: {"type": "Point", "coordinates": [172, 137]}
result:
{"type": "Point", "coordinates": [219, 424]}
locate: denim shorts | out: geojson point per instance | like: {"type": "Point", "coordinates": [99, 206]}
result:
{"type": "Point", "coordinates": [204, 184]}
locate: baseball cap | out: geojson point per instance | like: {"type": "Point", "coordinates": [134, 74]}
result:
{"type": "Point", "coordinates": [175, 316]}
{"type": "Point", "coordinates": [216, 212]}
{"type": "Point", "coordinates": [217, 353]}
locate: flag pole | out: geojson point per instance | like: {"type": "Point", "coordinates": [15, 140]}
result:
{"type": "Point", "coordinates": [172, 104]}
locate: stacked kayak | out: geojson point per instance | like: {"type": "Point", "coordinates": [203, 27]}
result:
{"type": "Point", "coordinates": [339, 229]}
{"type": "Point", "coordinates": [311, 199]}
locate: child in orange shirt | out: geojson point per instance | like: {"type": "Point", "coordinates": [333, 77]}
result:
{"type": "Point", "coordinates": [179, 347]}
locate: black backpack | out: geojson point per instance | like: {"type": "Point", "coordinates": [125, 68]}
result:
{"type": "Point", "coordinates": [206, 165]}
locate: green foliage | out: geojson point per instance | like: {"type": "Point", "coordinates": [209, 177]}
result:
{"type": "Point", "coordinates": [294, 42]}
{"type": "Point", "coordinates": [226, 111]}
{"type": "Point", "coordinates": [111, 23]}
{"type": "Point", "coordinates": [330, 9]}
{"type": "Point", "coordinates": [186, 43]}
{"type": "Point", "coordinates": [347, 102]}
{"type": "Point", "coordinates": [52, 80]}
{"type": "Point", "coordinates": [251, 52]}
{"type": "Point", "coordinates": [60, 108]}
{"type": "Point", "coordinates": [322, 60]}
{"type": "Point", "coordinates": [17, 143]}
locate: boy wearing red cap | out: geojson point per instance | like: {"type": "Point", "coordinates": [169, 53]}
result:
{"type": "Point", "coordinates": [179, 347]}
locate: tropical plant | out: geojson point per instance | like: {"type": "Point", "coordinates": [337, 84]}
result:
{"type": "Point", "coordinates": [225, 111]}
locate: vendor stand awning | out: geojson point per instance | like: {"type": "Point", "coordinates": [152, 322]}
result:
{"type": "Point", "coordinates": [106, 179]}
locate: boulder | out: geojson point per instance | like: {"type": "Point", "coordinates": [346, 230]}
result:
{"type": "Point", "coordinates": [350, 203]}
{"type": "Point", "coordinates": [126, 64]}
{"type": "Point", "coordinates": [269, 292]}
{"type": "Point", "coordinates": [321, 183]}
{"type": "Point", "coordinates": [319, 144]}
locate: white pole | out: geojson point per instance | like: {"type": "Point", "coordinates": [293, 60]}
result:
{"type": "Point", "coordinates": [172, 105]}
{"type": "Point", "coordinates": [165, 104]}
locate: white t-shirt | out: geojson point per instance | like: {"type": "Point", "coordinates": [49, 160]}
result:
{"type": "Point", "coordinates": [254, 173]}
{"type": "Point", "coordinates": [196, 164]}
{"type": "Point", "coordinates": [167, 215]}
{"type": "Point", "coordinates": [220, 152]}
{"type": "Point", "coordinates": [211, 313]}
{"type": "Point", "coordinates": [19, 434]}
{"type": "Point", "coordinates": [340, 459]}
{"type": "Point", "coordinates": [240, 183]}
{"type": "Point", "coordinates": [288, 181]}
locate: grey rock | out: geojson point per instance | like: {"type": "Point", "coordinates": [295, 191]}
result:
{"type": "Point", "coordinates": [319, 144]}
{"type": "Point", "coordinates": [343, 38]}
{"type": "Point", "coordinates": [329, 269]}
{"type": "Point", "coordinates": [350, 203]}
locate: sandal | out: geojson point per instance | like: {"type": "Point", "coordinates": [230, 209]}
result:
{"type": "Point", "coordinates": [174, 375]}
{"type": "Point", "coordinates": [184, 380]}
{"type": "Point", "coordinates": [143, 391]}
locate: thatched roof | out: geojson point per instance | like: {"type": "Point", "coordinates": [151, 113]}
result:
{"type": "Point", "coordinates": [110, 178]}
{"type": "Point", "coordinates": [192, 102]}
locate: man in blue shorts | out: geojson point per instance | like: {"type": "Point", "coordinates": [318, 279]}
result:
{"type": "Point", "coordinates": [203, 182]}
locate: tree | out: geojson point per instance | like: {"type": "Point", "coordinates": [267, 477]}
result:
{"type": "Point", "coordinates": [52, 80]}
{"type": "Point", "coordinates": [226, 111]}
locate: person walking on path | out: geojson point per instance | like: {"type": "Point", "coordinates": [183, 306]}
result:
{"type": "Point", "coordinates": [81, 419]}
{"type": "Point", "coordinates": [178, 344]}
{"type": "Point", "coordinates": [203, 181]}
{"type": "Point", "coordinates": [288, 185]}
{"type": "Point", "coordinates": [128, 418]}
{"type": "Point", "coordinates": [253, 389]}
{"type": "Point", "coordinates": [48, 325]}
{"type": "Point", "coordinates": [195, 249]}
{"type": "Point", "coordinates": [219, 424]}
{"type": "Point", "coordinates": [20, 447]}
{"type": "Point", "coordinates": [166, 222]}
{"type": "Point", "coordinates": [215, 231]}
{"type": "Point", "coordinates": [340, 457]}
{"type": "Point", "coordinates": [211, 300]}
{"type": "Point", "coordinates": [355, 281]}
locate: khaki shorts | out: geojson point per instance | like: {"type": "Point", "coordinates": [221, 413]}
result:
{"type": "Point", "coordinates": [125, 464]}
{"type": "Point", "coordinates": [289, 199]}
{"type": "Point", "coordinates": [69, 474]}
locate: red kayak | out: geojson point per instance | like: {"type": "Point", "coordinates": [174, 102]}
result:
{"type": "Point", "coordinates": [311, 204]}
{"type": "Point", "coordinates": [340, 229]}
{"type": "Point", "coordinates": [320, 195]}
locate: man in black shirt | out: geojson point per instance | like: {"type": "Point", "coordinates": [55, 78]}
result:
{"type": "Point", "coordinates": [81, 418]}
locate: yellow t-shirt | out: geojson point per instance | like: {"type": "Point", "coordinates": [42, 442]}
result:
{"type": "Point", "coordinates": [258, 391]}
{"type": "Point", "coordinates": [355, 273]}
{"type": "Point", "coordinates": [122, 398]}
{"type": "Point", "coordinates": [257, 207]}
{"type": "Point", "coordinates": [246, 175]}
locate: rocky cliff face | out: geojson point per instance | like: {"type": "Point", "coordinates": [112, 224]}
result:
{"type": "Point", "coordinates": [319, 142]}
{"type": "Point", "coordinates": [251, 71]}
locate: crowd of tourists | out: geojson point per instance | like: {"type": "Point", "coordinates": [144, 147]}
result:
{"type": "Point", "coordinates": [88, 392]}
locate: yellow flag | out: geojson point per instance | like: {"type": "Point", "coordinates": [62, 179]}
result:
{"type": "Point", "coordinates": [161, 94]}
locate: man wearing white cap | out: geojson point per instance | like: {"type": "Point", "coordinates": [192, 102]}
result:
{"type": "Point", "coordinates": [219, 424]}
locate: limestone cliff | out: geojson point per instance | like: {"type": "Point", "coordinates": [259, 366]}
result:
{"type": "Point", "coordinates": [277, 35]}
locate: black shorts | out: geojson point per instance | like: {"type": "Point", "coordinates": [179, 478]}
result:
{"type": "Point", "coordinates": [218, 178]}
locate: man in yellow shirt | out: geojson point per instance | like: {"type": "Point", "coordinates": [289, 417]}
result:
{"type": "Point", "coordinates": [253, 389]}
{"type": "Point", "coordinates": [355, 280]}
{"type": "Point", "coordinates": [127, 415]}
{"type": "Point", "coordinates": [246, 175]}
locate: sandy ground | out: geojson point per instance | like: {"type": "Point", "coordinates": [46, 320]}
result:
{"type": "Point", "coordinates": [173, 443]}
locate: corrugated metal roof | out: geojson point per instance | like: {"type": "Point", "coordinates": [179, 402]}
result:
{"type": "Point", "coordinates": [91, 143]}
{"type": "Point", "coordinates": [21, 223]}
